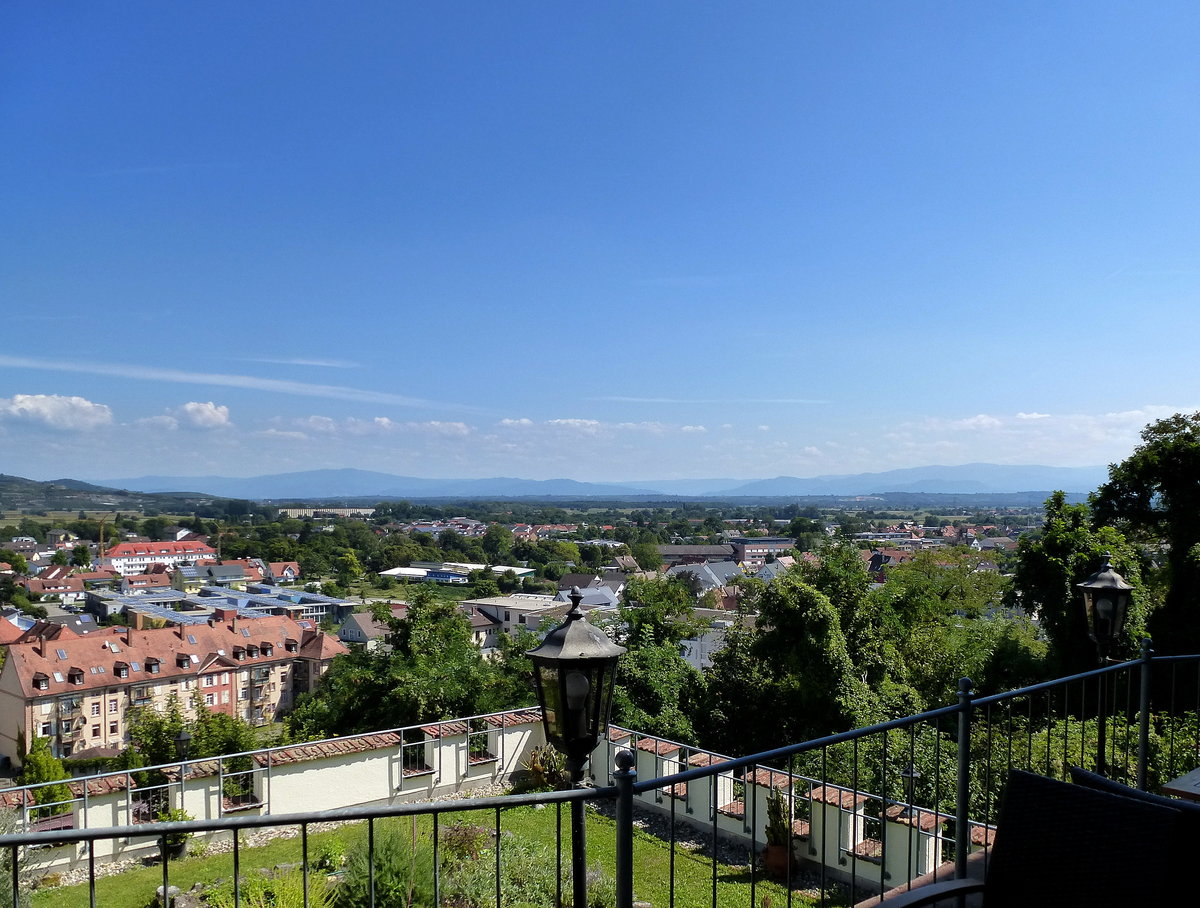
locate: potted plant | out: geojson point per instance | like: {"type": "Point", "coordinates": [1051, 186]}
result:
{"type": "Point", "coordinates": [175, 843]}
{"type": "Point", "coordinates": [779, 835]}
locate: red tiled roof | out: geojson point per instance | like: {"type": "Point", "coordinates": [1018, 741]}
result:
{"type": "Point", "coordinates": [339, 747]}
{"type": "Point", "coordinates": [657, 746]}
{"type": "Point", "coordinates": [97, 653]}
{"type": "Point", "coordinates": [135, 549]}
{"type": "Point", "coordinates": [922, 819]}
{"type": "Point", "coordinates": [842, 797]}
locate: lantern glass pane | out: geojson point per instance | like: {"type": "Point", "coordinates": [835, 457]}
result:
{"type": "Point", "coordinates": [551, 697]}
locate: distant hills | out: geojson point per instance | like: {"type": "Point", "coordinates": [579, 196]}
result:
{"type": "Point", "coordinates": [20, 494]}
{"type": "Point", "coordinates": [968, 479]}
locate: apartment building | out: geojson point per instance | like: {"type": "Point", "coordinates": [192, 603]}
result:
{"type": "Point", "coordinates": [136, 557]}
{"type": "Point", "coordinates": [77, 690]}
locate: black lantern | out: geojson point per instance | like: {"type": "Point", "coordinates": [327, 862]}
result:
{"type": "Point", "coordinates": [574, 670]}
{"type": "Point", "coordinates": [1106, 597]}
{"type": "Point", "coordinates": [909, 776]}
{"type": "Point", "coordinates": [183, 743]}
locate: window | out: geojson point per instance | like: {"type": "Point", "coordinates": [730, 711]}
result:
{"type": "Point", "coordinates": [210, 680]}
{"type": "Point", "coordinates": [209, 700]}
{"type": "Point", "coordinates": [224, 696]}
{"type": "Point", "coordinates": [96, 708]}
{"type": "Point", "coordinates": [224, 677]}
{"type": "Point", "coordinates": [41, 682]}
{"type": "Point", "coordinates": [95, 731]}
{"type": "Point", "coordinates": [47, 729]}
{"type": "Point", "coordinates": [112, 705]}
{"type": "Point", "coordinates": [152, 667]}
{"type": "Point", "coordinates": [244, 694]}
{"type": "Point", "coordinates": [112, 728]}
{"type": "Point", "coordinates": [62, 653]}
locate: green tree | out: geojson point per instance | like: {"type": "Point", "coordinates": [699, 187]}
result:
{"type": "Point", "coordinates": [60, 557]}
{"type": "Point", "coordinates": [81, 556]}
{"type": "Point", "coordinates": [497, 542]}
{"type": "Point", "coordinates": [19, 564]}
{"type": "Point", "coordinates": [1048, 568]}
{"type": "Point", "coordinates": [647, 555]}
{"type": "Point", "coordinates": [657, 691]}
{"type": "Point", "coordinates": [40, 765]}
{"type": "Point", "coordinates": [1154, 494]}
{"type": "Point", "coordinates": [658, 610]}
{"type": "Point", "coordinates": [789, 679]}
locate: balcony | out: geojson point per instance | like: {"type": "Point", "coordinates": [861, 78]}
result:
{"type": "Point", "coordinates": [870, 810]}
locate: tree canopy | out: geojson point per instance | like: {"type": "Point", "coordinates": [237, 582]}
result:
{"type": "Point", "coordinates": [1154, 495]}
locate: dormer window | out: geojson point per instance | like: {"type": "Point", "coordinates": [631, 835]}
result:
{"type": "Point", "coordinates": [152, 665]}
{"type": "Point", "coordinates": [291, 645]}
{"type": "Point", "coordinates": [267, 649]}
{"type": "Point", "coordinates": [75, 676]}
{"type": "Point", "coordinates": [239, 653]}
{"type": "Point", "coordinates": [121, 669]}
{"type": "Point", "coordinates": [252, 651]}
{"type": "Point", "coordinates": [41, 681]}
{"type": "Point", "coordinates": [183, 660]}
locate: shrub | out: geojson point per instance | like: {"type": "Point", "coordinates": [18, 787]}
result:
{"type": "Point", "coordinates": [278, 890]}
{"type": "Point", "coordinates": [461, 841]}
{"type": "Point", "coordinates": [330, 856]}
{"type": "Point", "coordinates": [403, 874]}
{"type": "Point", "coordinates": [547, 769]}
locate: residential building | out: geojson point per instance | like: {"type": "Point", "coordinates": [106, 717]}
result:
{"type": "Point", "coordinates": [754, 551]}
{"type": "Point", "coordinates": [694, 554]}
{"type": "Point", "coordinates": [77, 690]}
{"type": "Point", "coordinates": [137, 557]}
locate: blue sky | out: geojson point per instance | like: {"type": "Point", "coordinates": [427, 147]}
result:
{"type": "Point", "coordinates": [639, 241]}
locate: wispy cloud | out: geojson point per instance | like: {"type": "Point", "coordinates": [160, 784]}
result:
{"type": "Point", "coordinates": [304, 361]}
{"type": "Point", "coordinates": [709, 400]}
{"type": "Point", "coordinates": [249, 382]}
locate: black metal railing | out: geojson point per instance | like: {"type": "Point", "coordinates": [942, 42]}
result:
{"type": "Point", "coordinates": [867, 810]}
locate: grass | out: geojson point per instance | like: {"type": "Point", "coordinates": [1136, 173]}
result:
{"type": "Point", "coordinates": [652, 864]}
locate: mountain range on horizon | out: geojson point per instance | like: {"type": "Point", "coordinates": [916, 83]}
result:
{"type": "Point", "coordinates": [352, 483]}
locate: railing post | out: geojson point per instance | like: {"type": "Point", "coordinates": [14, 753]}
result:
{"type": "Point", "coordinates": [962, 831]}
{"type": "Point", "coordinates": [1144, 714]}
{"type": "Point", "coordinates": [624, 777]}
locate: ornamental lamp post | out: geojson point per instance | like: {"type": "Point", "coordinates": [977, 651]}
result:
{"type": "Point", "coordinates": [183, 743]}
{"type": "Point", "coordinates": [574, 670]}
{"type": "Point", "coordinates": [1106, 596]}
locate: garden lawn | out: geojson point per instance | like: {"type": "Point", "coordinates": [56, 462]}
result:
{"type": "Point", "coordinates": [652, 863]}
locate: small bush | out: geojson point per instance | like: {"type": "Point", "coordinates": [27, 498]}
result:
{"type": "Point", "coordinates": [275, 890]}
{"type": "Point", "coordinates": [330, 856]}
{"type": "Point", "coordinates": [403, 874]}
{"type": "Point", "coordinates": [547, 769]}
{"type": "Point", "coordinates": [461, 841]}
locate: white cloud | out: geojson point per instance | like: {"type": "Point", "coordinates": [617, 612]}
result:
{"type": "Point", "coordinates": [692, 429]}
{"type": "Point", "coordinates": [250, 382]}
{"type": "Point", "coordinates": [1033, 416]}
{"type": "Point", "coordinates": [764, 428]}
{"type": "Point", "coordinates": [204, 415]}
{"type": "Point", "coordinates": [523, 421]}
{"type": "Point", "coordinates": [980, 421]}
{"type": "Point", "coordinates": [56, 411]}
{"type": "Point", "coordinates": [438, 427]}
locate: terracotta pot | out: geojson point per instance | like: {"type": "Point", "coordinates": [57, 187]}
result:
{"type": "Point", "coordinates": [775, 861]}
